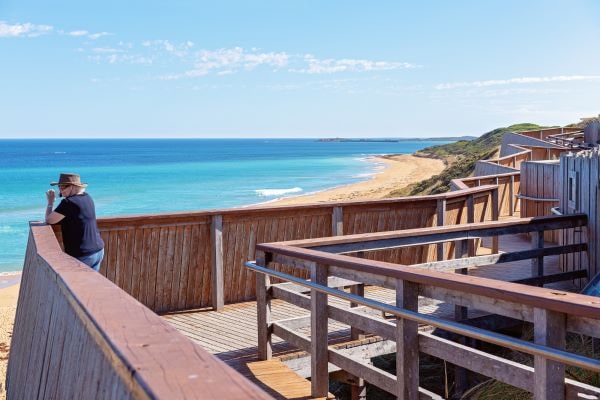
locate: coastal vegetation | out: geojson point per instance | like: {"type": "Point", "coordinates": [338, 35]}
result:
{"type": "Point", "coordinates": [460, 158]}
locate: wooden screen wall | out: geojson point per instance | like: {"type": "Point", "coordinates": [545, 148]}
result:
{"type": "Point", "coordinates": [580, 192]}
{"type": "Point", "coordinates": [540, 180]}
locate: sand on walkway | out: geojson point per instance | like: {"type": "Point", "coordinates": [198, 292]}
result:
{"type": "Point", "coordinates": [400, 171]}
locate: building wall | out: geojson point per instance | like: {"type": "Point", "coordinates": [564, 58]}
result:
{"type": "Point", "coordinates": [579, 193]}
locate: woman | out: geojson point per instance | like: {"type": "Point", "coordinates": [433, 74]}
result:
{"type": "Point", "coordinates": [76, 215]}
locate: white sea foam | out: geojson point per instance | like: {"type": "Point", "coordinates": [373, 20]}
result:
{"type": "Point", "coordinates": [277, 192]}
{"type": "Point", "coordinates": [60, 152]}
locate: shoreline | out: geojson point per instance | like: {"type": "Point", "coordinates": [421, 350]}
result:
{"type": "Point", "coordinates": [399, 170]}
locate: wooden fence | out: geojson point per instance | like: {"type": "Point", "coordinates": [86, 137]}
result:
{"type": "Point", "coordinates": [508, 187]}
{"type": "Point", "coordinates": [540, 191]}
{"type": "Point", "coordinates": [181, 261]}
{"type": "Point", "coordinates": [580, 192]}
{"type": "Point", "coordinates": [546, 134]}
{"type": "Point", "coordinates": [78, 336]}
{"type": "Point", "coordinates": [553, 313]}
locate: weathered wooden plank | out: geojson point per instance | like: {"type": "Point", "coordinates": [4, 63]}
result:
{"type": "Point", "coordinates": [185, 268]}
{"type": "Point", "coordinates": [407, 343]}
{"type": "Point", "coordinates": [263, 310]}
{"type": "Point", "coordinates": [318, 333]}
{"type": "Point", "coordinates": [167, 278]}
{"type": "Point", "coordinates": [137, 264]}
{"type": "Point", "coordinates": [177, 268]}
{"type": "Point", "coordinates": [549, 376]}
{"type": "Point", "coordinates": [477, 261]}
{"type": "Point", "coordinates": [203, 276]}
{"type": "Point", "coordinates": [216, 240]}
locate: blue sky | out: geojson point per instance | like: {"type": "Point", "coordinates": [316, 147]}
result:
{"type": "Point", "coordinates": [294, 68]}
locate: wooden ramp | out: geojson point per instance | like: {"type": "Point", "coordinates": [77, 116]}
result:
{"type": "Point", "coordinates": [279, 380]}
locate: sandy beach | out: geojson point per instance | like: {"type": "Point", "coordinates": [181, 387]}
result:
{"type": "Point", "coordinates": [400, 170]}
{"type": "Point", "coordinates": [8, 307]}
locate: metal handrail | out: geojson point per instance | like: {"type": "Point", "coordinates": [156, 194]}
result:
{"type": "Point", "coordinates": [522, 196]}
{"type": "Point", "coordinates": [455, 327]}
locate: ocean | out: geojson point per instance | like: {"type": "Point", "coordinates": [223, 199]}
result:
{"type": "Point", "coordinates": [140, 176]}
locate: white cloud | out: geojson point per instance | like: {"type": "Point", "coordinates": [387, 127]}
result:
{"type": "Point", "coordinates": [105, 50]}
{"type": "Point", "coordinates": [330, 65]}
{"type": "Point", "coordinates": [178, 50]}
{"type": "Point", "coordinates": [98, 35]}
{"type": "Point", "coordinates": [27, 30]}
{"type": "Point", "coordinates": [229, 60]}
{"type": "Point", "coordinates": [78, 33]}
{"type": "Point", "coordinates": [524, 80]}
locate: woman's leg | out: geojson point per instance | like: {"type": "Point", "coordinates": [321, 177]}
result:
{"type": "Point", "coordinates": [93, 260]}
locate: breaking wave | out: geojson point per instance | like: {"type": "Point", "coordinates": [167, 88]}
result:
{"type": "Point", "coordinates": [277, 192]}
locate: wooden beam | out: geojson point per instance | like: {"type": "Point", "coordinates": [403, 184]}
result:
{"type": "Point", "coordinates": [358, 290]}
{"type": "Point", "coordinates": [418, 236]}
{"type": "Point", "coordinates": [380, 378]}
{"type": "Point", "coordinates": [495, 216]}
{"type": "Point", "coordinates": [478, 261]}
{"type": "Point", "coordinates": [318, 333]}
{"type": "Point", "coordinates": [216, 240]}
{"type": "Point", "coordinates": [537, 264]}
{"type": "Point", "coordinates": [263, 310]}
{"type": "Point", "coordinates": [441, 221]}
{"type": "Point", "coordinates": [337, 221]}
{"type": "Point", "coordinates": [549, 377]}
{"type": "Point", "coordinates": [560, 277]}
{"type": "Point", "coordinates": [407, 343]}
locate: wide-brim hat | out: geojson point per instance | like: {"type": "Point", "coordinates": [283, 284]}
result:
{"type": "Point", "coordinates": [69, 179]}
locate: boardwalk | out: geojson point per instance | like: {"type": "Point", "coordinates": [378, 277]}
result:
{"type": "Point", "coordinates": [231, 334]}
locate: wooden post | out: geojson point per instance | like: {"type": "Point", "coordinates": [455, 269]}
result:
{"type": "Point", "coordinates": [337, 221]}
{"type": "Point", "coordinates": [461, 313]}
{"type": "Point", "coordinates": [216, 240]}
{"type": "Point", "coordinates": [358, 387]}
{"type": "Point", "coordinates": [263, 309]}
{"type": "Point", "coordinates": [359, 290]}
{"type": "Point", "coordinates": [511, 195]}
{"type": "Point", "coordinates": [495, 217]}
{"type": "Point", "coordinates": [549, 376]}
{"type": "Point", "coordinates": [407, 343]}
{"type": "Point", "coordinates": [537, 264]}
{"type": "Point", "coordinates": [470, 220]}
{"type": "Point", "coordinates": [441, 221]}
{"type": "Point", "coordinates": [319, 375]}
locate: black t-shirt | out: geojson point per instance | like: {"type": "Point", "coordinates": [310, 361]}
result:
{"type": "Point", "coordinates": [79, 229]}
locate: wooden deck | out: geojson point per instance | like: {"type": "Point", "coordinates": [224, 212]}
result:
{"type": "Point", "coordinates": [231, 334]}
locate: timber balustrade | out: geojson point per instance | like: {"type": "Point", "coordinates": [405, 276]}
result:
{"type": "Point", "coordinates": [548, 133]}
{"type": "Point", "coordinates": [553, 313]}
{"type": "Point", "coordinates": [509, 186]}
{"type": "Point", "coordinates": [78, 336]}
{"type": "Point", "coordinates": [182, 261]}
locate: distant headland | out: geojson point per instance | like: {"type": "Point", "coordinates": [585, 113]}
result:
{"type": "Point", "coordinates": [395, 140]}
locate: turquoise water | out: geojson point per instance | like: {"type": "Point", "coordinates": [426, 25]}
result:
{"type": "Point", "coordinates": [151, 176]}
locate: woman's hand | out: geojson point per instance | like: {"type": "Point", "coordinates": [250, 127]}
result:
{"type": "Point", "coordinates": [50, 195]}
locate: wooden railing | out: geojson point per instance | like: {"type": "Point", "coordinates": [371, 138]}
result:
{"type": "Point", "coordinates": [508, 187]}
{"type": "Point", "coordinates": [553, 313]}
{"type": "Point", "coordinates": [181, 261]}
{"type": "Point", "coordinates": [546, 134]}
{"type": "Point", "coordinates": [78, 336]}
